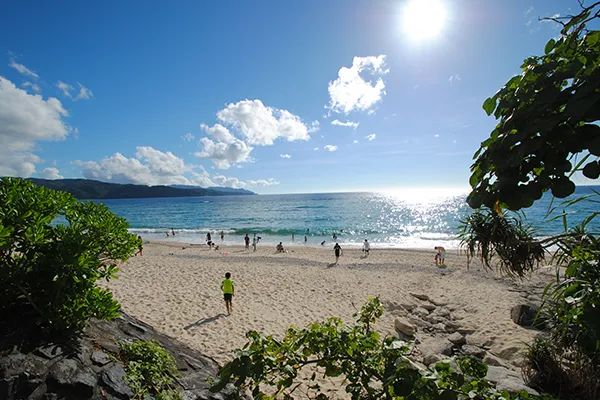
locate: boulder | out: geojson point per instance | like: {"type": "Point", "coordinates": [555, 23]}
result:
{"type": "Point", "coordinates": [430, 359]}
{"type": "Point", "coordinates": [457, 339]}
{"type": "Point", "coordinates": [404, 327]}
{"type": "Point", "coordinates": [492, 360]}
{"type": "Point", "coordinates": [442, 312]}
{"type": "Point", "coordinates": [474, 351]}
{"type": "Point", "coordinates": [509, 352]}
{"type": "Point", "coordinates": [527, 315]}
{"type": "Point", "coordinates": [433, 345]}
{"type": "Point", "coordinates": [508, 380]}
{"type": "Point", "coordinates": [420, 312]}
{"type": "Point", "coordinates": [420, 296]}
{"type": "Point", "coordinates": [428, 306]}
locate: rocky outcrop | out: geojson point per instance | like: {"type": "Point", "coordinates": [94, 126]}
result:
{"type": "Point", "coordinates": [527, 315]}
{"type": "Point", "coordinates": [86, 367]}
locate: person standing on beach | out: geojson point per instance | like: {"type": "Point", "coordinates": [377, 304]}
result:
{"type": "Point", "coordinates": [439, 256]}
{"type": "Point", "coordinates": [338, 252]}
{"type": "Point", "coordinates": [247, 241]}
{"type": "Point", "coordinates": [228, 292]}
{"type": "Point", "coordinates": [172, 231]}
{"type": "Point", "coordinates": [222, 235]}
{"type": "Point", "coordinates": [254, 243]}
{"type": "Point", "coordinates": [305, 239]}
{"type": "Point", "coordinates": [209, 240]}
{"type": "Point", "coordinates": [140, 246]}
{"type": "Point", "coordinates": [366, 247]}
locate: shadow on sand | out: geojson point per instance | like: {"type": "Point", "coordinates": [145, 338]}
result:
{"type": "Point", "coordinates": [206, 320]}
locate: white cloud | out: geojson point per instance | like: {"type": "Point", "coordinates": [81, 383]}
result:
{"type": "Point", "coordinates": [84, 93]}
{"type": "Point", "coordinates": [65, 88]}
{"type": "Point", "coordinates": [226, 150]}
{"type": "Point", "coordinates": [285, 156]}
{"type": "Point", "coordinates": [314, 126]}
{"type": "Point", "coordinates": [50, 173]}
{"type": "Point", "coordinates": [26, 119]}
{"type": "Point", "coordinates": [351, 92]}
{"type": "Point", "coordinates": [188, 137]}
{"type": "Point", "coordinates": [355, 141]}
{"type": "Point", "coordinates": [261, 182]}
{"type": "Point", "coordinates": [371, 137]}
{"type": "Point", "coordinates": [454, 78]}
{"type": "Point", "coordinates": [23, 70]}
{"type": "Point", "coordinates": [262, 125]}
{"type": "Point", "coordinates": [330, 147]}
{"type": "Point", "coordinates": [349, 124]}
{"type": "Point", "coordinates": [34, 86]}
{"type": "Point", "coordinates": [316, 149]}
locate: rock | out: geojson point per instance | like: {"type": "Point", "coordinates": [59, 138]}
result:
{"type": "Point", "coordinates": [452, 326]}
{"type": "Point", "coordinates": [457, 339]}
{"type": "Point", "coordinates": [428, 306]}
{"type": "Point", "coordinates": [63, 371]}
{"type": "Point", "coordinates": [403, 326]}
{"type": "Point", "coordinates": [509, 352]}
{"type": "Point", "coordinates": [492, 360]}
{"type": "Point", "coordinates": [420, 312]}
{"type": "Point", "coordinates": [432, 359]}
{"type": "Point", "coordinates": [84, 383]}
{"type": "Point", "coordinates": [442, 312]}
{"type": "Point", "coordinates": [409, 305]}
{"type": "Point", "coordinates": [466, 330]}
{"type": "Point", "coordinates": [433, 319]}
{"type": "Point", "coordinates": [512, 385]}
{"type": "Point", "coordinates": [439, 327]}
{"type": "Point", "coordinates": [474, 351]}
{"type": "Point", "coordinates": [100, 358]}
{"type": "Point", "coordinates": [49, 351]}
{"type": "Point", "coordinates": [113, 379]}
{"type": "Point", "coordinates": [479, 341]}
{"type": "Point", "coordinates": [434, 345]}
{"type": "Point", "coordinates": [439, 303]}
{"type": "Point", "coordinates": [525, 315]}
{"type": "Point", "coordinates": [508, 380]}
{"type": "Point", "coordinates": [496, 374]}
{"type": "Point", "coordinates": [420, 296]}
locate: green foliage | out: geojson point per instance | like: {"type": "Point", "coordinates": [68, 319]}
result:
{"type": "Point", "coordinates": [547, 125]}
{"type": "Point", "coordinates": [371, 367]}
{"type": "Point", "coordinates": [150, 370]}
{"type": "Point", "coordinates": [487, 234]}
{"type": "Point", "coordinates": [49, 271]}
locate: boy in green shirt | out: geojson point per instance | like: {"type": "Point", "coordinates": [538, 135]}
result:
{"type": "Point", "coordinates": [228, 292]}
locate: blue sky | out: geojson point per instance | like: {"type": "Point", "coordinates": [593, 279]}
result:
{"type": "Point", "coordinates": [276, 97]}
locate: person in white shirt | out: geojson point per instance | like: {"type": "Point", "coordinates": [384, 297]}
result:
{"type": "Point", "coordinates": [439, 256]}
{"type": "Point", "coordinates": [366, 247]}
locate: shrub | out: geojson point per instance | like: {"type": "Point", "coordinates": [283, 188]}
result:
{"type": "Point", "coordinates": [49, 270]}
{"type": "Point", "coordinates": [372, 367]}
{"type": "Point", "coordinates": [150, 370]}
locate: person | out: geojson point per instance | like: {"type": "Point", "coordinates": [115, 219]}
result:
{"type": "Point", "coordinates": [366, 247]}
{"type": "Point", "coordinates": [247, 241]}
{"type": "Point", "coordinates": [323, 243]}
{"type": "Point", "coordinates": [292, 237]}
{"type": "Point", "coordinates": [338, 252]}
{"type": "Point", "coordinates": [305, 239]}
{"type": "Point", "coordinates": [140, 246]}
{"type": "Point", "coordinates": [172, 231]}
{"type": "Point", "coordinates": [280, 248]}
{"type": "Point", "coordinates": [228, 292]}
{"type": "Point", "coordinates": [167, 232]}
{"type": "Point", "coordinates": [222, 235]}
{"type": "Point", "coordinates": [208, 237]}
{"type": "Point", "coordinates": [334, 237]}
{"type": "Point", "coordinates": [439, 256]}
{"type": "Point", "coordinates": [308, 230]}
{"type": "Point", "coordinates": [254, 243]}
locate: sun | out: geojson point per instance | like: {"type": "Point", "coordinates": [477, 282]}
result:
{"type": "Point", "coordinates": [423, 19]}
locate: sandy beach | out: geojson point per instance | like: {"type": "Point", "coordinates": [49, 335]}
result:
{"type": "Point", "coordinates": [176, 289]}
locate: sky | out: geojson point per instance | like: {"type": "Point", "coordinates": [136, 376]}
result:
{"type": "Point", "coordinates": [271, 96]}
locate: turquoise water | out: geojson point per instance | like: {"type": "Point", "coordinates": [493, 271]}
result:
{"type": "Point", "coordinates": [404, 219]}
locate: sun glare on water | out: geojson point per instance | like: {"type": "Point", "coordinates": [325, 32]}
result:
{"type": "Point", "coordinates": [423, 20]}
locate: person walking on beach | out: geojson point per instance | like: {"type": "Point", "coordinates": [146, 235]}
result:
{"type": "Point", "coordinates": [222, 235]}
{"type": "Point", "coordinates": [140, 246]}
{"type": "Point", "coordinates": [338, 252]}
{"type": "Point", "coordinates": [439, 256]}
{"type": "Point", "coordinates": [366, 247]}
{"type": "Point", "coordinates": [254, 243]}
{"type": "Point", "coordinates": [228, 292]}
{"type": "Point", "coordinates": [247, 241]}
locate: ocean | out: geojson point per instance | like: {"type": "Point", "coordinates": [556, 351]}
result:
{"type": "Point", "coordinates": [415, 218]}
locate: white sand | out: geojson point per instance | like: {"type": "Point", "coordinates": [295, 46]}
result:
{"type": "Point", "coordinates": [178, 292]}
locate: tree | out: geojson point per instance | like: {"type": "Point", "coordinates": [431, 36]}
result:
{"type": "Point", "coordinates": [547, 131]}
{"type": "Point", "coordinates": [372, 367]}
{"type": "Point", "coordinates": [53, 250]}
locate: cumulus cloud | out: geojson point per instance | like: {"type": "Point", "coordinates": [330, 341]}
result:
{"type": "Point", "coordinates": [355, 141]}
{"type": "Point", "coordinates": [34, 86]}
{"type": "Point", "coordinates": [84, 93]}
{"type": "Point", "coordinates": [351, 92]}
{"type": "Point", "coordinates": [261, 125]}
{"type": "Point", "coordinates": [23, 70]}
{"type": "Point", "coordinates": [349, 124]}
{"type": "Point", "coordinates": [285, 156]}
{"type": "Point", "coordinates": [316, 149]}
{"type": "Point", "coordinates": [65, 88]}
{"type": "Point", "coordinates": [226, 150]}
{"type": "Point", "coordinates": [330, 147]}
{"type": "Point", "coordinates": [453, 79]}
{"type": "Point", "coordinates": [188, 137]}
{"type": "Point", "coordinates": [50, 173]}
{"type": "Point", "coordinates": [261, 182]}
{"type": "Point", "coordinates": [25, 120]}
{"type": "Point", "coordinates": [314, 126]}
{"type": "Point", "coordinates": [371, 137]}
